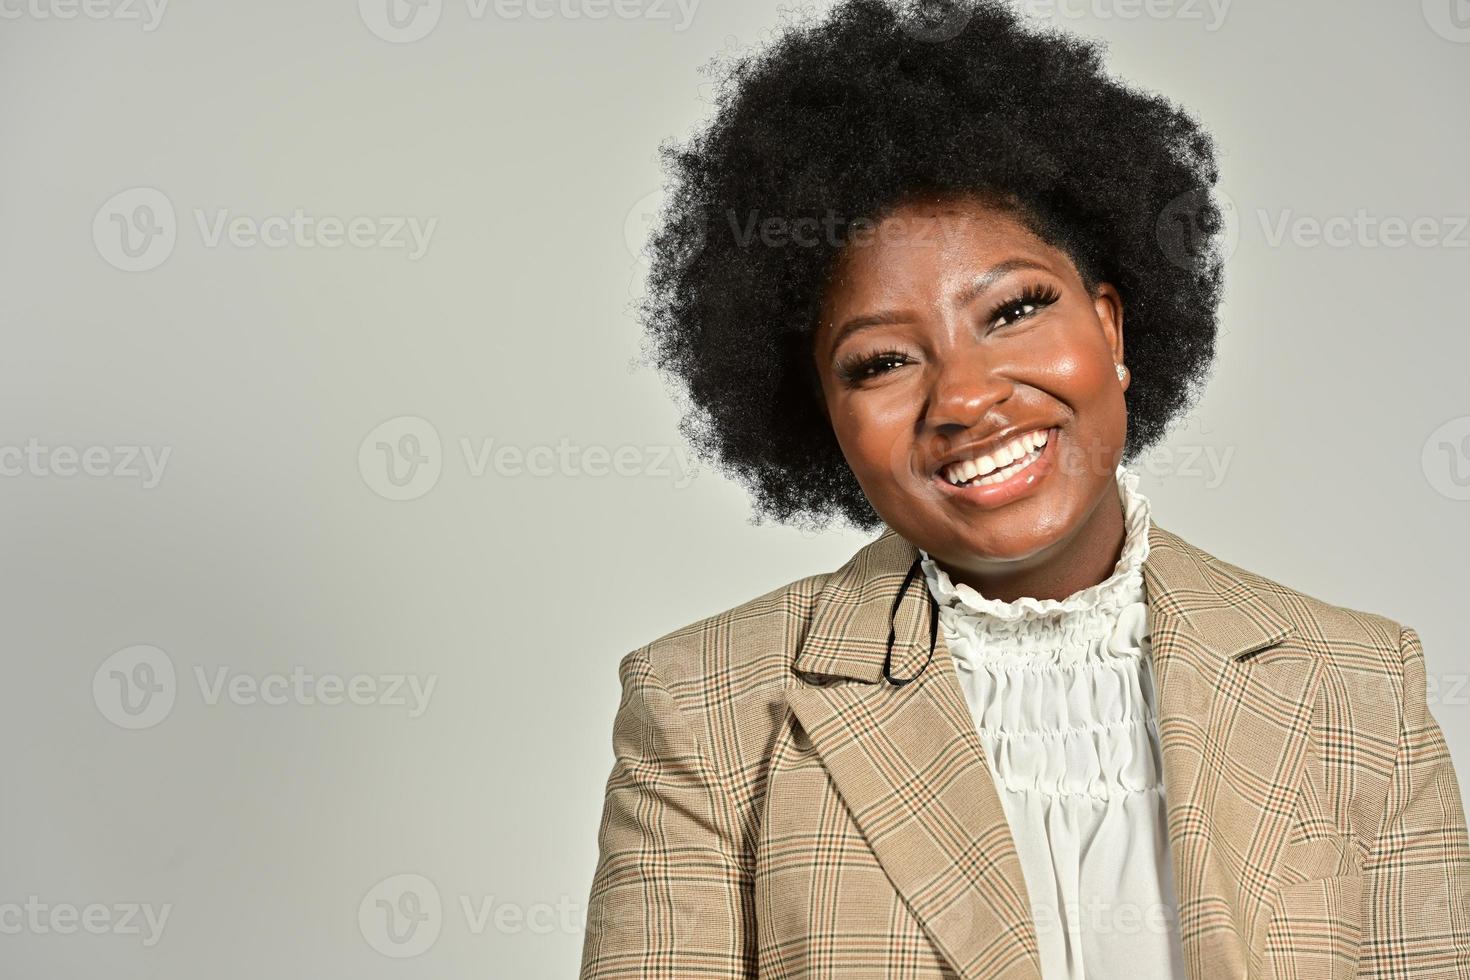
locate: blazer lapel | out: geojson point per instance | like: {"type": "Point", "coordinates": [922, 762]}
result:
{"type": "Point", "coordinates": [1234, 722]}
{"type": "Point", "coordinates": [910, 767]}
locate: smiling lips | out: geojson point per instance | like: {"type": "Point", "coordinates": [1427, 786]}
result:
{"type": "Point", "coordinates": [1000, 465]}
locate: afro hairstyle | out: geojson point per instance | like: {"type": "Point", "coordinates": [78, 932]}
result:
{"type": "Point", "coordinates": [835, 121]}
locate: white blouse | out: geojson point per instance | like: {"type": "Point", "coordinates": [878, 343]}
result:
{"type": "Point", "coordinates": [1062, 695]}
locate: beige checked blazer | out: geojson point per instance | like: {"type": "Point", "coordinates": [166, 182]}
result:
{"type": "Point", "coordinates": [777, 809]}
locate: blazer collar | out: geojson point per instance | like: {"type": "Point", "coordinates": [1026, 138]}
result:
{"type": "Point", "coordinates": [1188, 589]}
{"type": "Point", "coordinates": [1234, 723]}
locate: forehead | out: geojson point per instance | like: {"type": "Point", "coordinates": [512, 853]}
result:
{"type": "Point", "coordinates": [929, 242]}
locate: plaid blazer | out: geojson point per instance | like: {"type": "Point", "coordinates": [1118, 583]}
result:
{"type": "Point", "coordinates": [776, 809]}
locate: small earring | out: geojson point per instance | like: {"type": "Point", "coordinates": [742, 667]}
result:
{"type": "Point", "coordinates": [1121, 371]}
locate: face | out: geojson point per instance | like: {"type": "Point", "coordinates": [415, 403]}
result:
{"type": "Point", "coordinates": [947, 334]}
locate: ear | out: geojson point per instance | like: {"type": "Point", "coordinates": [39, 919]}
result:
{"type": "Point", "coordinates": [1107, 303]}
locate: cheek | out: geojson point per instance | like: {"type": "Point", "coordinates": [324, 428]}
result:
{"type": "Point", "coordinates": [1083, 372]}
{"type": "Point", "coordinates": [875, 431]}
{"type": "Point", "coordinates": [1087, 374]}
{"type": "Point", "coordinates": [1085, 378]}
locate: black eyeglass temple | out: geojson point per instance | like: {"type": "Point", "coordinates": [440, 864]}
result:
{"type": "Point", "coordinates": [914, 570]}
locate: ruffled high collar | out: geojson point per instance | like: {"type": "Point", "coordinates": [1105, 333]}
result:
{"type": "Point", "coordinates": [1123, 587]}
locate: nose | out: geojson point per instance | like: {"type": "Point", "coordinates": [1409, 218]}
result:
{"type": "Point", "coordinates": [964, 390]}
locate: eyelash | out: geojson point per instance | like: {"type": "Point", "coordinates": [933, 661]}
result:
{"type": "Point", "coordinates": [860, 367]}
{"type": "Point", "coordinates": [1038, 296]}
{"type": "Point", "coordinates": [864, 366]}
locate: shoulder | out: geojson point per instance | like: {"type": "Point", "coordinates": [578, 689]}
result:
{"type": "Point", "coordinates": [755, 644]}
{"type": "Point", "coordinates": [1371, 689]}
{"type": "Point", "coordinates": [1343, 628]}
{"type": "Point", "coordinates": [728, 673]}
{"type": "Point", "coordinates": [1345, 635]}
{"type": "Point", "coordinates": [1370, 663]}
{"type": "Point", "coordinates": [751, 642]}
{"type": "Point", "coordinates": [723, 678]}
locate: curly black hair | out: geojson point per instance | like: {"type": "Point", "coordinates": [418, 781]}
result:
{"type": "Point", "coordinates": [835, 122]}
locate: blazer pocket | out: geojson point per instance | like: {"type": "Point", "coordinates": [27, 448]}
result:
{"type": "Point", "coordinates": [1319, 856]}
{"type": "Point", "coordinates": [1315, 929]}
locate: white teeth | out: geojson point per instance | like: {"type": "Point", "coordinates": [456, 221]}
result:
{"type": "Point", "coordinates": [1007, 461]}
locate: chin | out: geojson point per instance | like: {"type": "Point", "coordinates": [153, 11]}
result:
{"type": "Point", "coordinates": [1017, 545]}
{"type": "Point", "coordinates": [1013, 533]}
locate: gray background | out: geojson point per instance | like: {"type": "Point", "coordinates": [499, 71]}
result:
{"type": "Point", "coordinates": [1332, 452]}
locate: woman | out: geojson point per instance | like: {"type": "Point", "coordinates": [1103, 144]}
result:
{"type": "Point", "coordinates": [931, 270]}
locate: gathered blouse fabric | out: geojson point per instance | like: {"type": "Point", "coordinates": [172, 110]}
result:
{"type": "Point", "coordinates": [1062, 694]}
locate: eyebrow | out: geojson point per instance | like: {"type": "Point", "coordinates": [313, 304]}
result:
{"type": "Point", "coordinates": [980, 284]}
{"type": "Point", "coordinates": [993, 275]}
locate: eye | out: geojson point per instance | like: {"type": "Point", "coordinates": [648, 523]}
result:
{"type": "Point", "coordinates": [1015, 312]}
{"type": "Point", "coordinates": [864, 367]}
{"type": "Point", "coordinates": [1032, 299]}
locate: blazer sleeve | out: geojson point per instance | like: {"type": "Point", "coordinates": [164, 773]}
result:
{"type": "Point", "coordinates": [671, 896]}
{"type": "Point", "coordinates": [1416, 892]}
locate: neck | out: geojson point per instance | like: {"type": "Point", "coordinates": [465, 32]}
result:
{"type": "Point", "coordinates": [1086, 557]}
